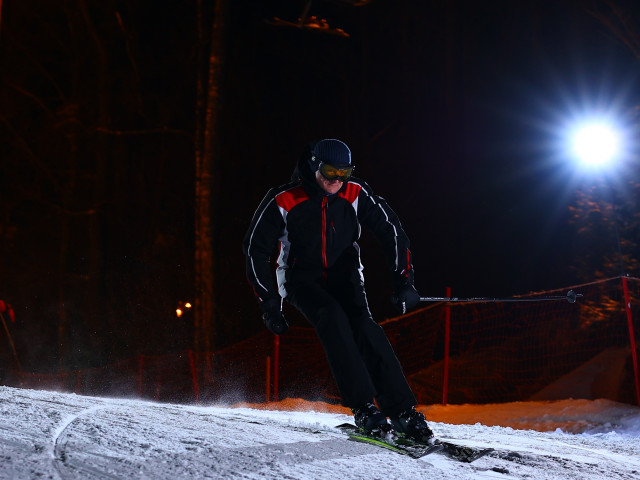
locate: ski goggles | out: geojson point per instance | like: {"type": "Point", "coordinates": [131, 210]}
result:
{"type": "Point", "coordinates": [333, 173]}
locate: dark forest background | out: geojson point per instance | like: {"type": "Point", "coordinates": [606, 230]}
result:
{"type": "Point", "coordinates": [103, 112]}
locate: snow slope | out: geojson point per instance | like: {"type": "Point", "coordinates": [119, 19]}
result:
{"type": "Point", "coordinates": [64, 436]}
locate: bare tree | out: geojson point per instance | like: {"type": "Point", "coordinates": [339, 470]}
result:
{"type": "Point", "coordinates": [206, 151]}
{"type": "Point", "coordinates": [620, 19]}
{"type": "Point", "coordinates": [94, 209]}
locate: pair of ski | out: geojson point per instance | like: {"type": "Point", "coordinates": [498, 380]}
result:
{"type": "Point", "coordinates": [406, 446]}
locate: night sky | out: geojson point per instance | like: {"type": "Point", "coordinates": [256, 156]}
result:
{"type": "Point", "coordinates": [454, 112]}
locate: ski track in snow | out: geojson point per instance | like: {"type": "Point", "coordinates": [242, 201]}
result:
{"type": "Point", "coordinates": [68, 437]}
{"type": "Point", "coordinates": [56, 452]}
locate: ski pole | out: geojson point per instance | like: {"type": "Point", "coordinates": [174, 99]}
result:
{"type": "Point", "coordinates": [571, 297]}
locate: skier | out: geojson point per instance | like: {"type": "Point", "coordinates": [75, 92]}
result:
{"type": "Point", "coordinates": [316, 220]}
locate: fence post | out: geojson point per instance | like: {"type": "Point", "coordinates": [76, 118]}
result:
{"type": "Point", "coordinates": [447, 334]}
{"type": "Point", "coordinates": [267, 387]}
{"type": "Point", "coordinates": [13, 347]}
{"type": "Point", "coordinates": [276, 366]}
{"type": "Point", "coordinates": [632, 336]}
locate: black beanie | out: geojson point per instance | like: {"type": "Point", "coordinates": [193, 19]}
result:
{"type": "Point", "coordinates": [331, 151]}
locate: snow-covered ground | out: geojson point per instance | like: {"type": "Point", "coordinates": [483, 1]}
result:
{"type": "Point", "coordinates": [48, 435]}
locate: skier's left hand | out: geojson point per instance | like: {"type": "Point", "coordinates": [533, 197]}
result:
{"type": "Point", "coordinates": [406, 298]}
{"type": "Point", "coordinates": [275, 321]}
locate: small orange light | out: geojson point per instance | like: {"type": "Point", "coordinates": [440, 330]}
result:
{"type": "Point", "coordinates": [178, 312]}
{"type": "Point", "coordinates": [187, 305]}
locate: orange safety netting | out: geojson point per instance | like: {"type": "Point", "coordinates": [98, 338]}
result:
{"type": "Point", "coordinates": [498, 352]}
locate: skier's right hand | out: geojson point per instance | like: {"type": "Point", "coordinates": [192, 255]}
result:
{"type": "Point", "coordinates": [275, 321]}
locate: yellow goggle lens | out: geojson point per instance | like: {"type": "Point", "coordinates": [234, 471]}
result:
{"type": "Point", "coordinates": [331, 173]}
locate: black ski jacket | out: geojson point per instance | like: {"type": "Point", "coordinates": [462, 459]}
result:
{"type": "Point", "coordinates": [317, 235]}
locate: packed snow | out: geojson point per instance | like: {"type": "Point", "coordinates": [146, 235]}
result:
{"type": "Point", "coordinates": [65, 436]}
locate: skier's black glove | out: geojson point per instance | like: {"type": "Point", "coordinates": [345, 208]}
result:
{"type": "Point", "coordinates": [275, 321]}
{"type": "Point", "coordinates": [406, 298]}
{"type": "Point", "coordinates": [273, 318]}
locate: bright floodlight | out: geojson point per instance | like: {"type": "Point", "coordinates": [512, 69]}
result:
{"type": "Point", "coordinates": [596, 145]}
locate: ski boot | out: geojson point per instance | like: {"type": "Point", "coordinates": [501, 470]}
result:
{"type": "Point", "coordinates": [412, 424]}
{"type": "Point", "coordinates": [371, 421]}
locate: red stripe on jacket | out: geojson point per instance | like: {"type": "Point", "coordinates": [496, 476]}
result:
{"type": "Point", "coordinates": [289, 199]}
{"type": "Point", "coordinates": [351, 192]}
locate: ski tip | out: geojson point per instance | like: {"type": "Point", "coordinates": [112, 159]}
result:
{"type": "Point", "coordinates": [463, 453]}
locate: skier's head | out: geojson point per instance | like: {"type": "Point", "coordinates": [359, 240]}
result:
{"type": "Point", "coordinates": [332, 158]}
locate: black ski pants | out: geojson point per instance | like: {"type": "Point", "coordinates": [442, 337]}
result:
{"type": "Point", "coordinates": [360, 356]}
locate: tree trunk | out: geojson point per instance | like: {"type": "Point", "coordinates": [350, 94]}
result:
{"type": "Point", "coordinates": [206, 151]}
{"type": "Point", "coordinates": [86, 223]}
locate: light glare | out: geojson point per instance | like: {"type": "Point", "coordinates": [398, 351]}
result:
{"type": "Point", "coordinates": [596, 145]}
